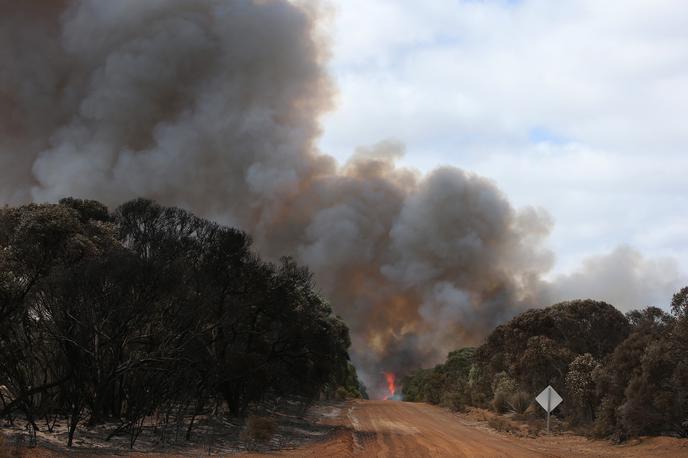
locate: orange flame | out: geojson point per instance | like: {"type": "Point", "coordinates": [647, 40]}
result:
{"type": "Point", "coordinates": [390, 384]}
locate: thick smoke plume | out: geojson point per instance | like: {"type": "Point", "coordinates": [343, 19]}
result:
{"type": "Point", "coordinates": [214, 106]}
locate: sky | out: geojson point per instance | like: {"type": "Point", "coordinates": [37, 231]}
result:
{"type": "Point", "coordinates": [578, 107]}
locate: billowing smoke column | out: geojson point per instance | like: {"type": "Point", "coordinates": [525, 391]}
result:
{"type": "Point", "coordinates": [214, 106]}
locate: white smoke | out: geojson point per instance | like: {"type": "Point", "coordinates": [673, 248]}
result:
{"type": "Point", "coordinates": [623, 277]}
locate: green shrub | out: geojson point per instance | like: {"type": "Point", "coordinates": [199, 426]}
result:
{"type": "Point", "coordinates": [503, 383]}
{"type": "Point", "coordinates": [454, 401]}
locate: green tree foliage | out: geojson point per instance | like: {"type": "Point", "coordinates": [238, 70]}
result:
{"type": "Point", "coordinates": [445, 384]}
{"type": "Point", "coordinates": [580, 386]}
{"type": "Point", "coordinates": [644, 383]}
{"type": "Point", "coordinates": [622, 375]}
{"type": "Point", "coordinates": [114, 316]}
{"type": "Point", "coordinates": [536, 347]}
{"type": "Point", "coordinates": [679, 303]}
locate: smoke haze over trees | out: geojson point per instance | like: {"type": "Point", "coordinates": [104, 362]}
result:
{"type": "Point", "coordinates": [214, 107]}
{"type": "Point", "coordinates": [152, 310]}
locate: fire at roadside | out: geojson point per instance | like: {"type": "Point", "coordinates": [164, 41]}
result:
{"type": "Point", "coordinates": [392, 394]}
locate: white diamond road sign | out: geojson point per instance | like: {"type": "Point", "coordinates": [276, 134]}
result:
{"type": "Point", "coordinates": [549, 399]}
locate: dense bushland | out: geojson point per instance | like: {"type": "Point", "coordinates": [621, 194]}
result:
{"type": "Point", "coordinates": [447, 384]}
{"type": "Point", "coordinates": [152, 310]}
{"type": "Point", "coordinates": [620, 375]}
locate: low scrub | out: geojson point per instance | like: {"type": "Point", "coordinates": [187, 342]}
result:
{"type": "Point", "coordinates": [499, 402]}
{"type": "Point", "coordinates": [501, 424]}
{"type": "Point", "coordinates": [454, 401]}
{"type": "Point", "coordinates": [519, 402]}
{"type": "Point", "coordinates": [258, 430]}
{"type": "Point", "coordinates": [534, 428]}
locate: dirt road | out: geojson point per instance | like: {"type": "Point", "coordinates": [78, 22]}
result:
{"type": "Point", "coordinates": [408, 429]}
{"type": "Point", "coordinates": [400, 429]}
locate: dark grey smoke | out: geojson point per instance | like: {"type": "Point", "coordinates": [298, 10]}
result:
{"type": "Point", "coordinates": [214, 106]}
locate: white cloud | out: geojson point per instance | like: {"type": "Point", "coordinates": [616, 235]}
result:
{"type": "Point", "coordinates": [577, 106]}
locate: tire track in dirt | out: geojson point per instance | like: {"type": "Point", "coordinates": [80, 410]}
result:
{"type": "Point", "coordinates": [385, 428]}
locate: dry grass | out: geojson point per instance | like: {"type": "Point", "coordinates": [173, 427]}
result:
{"type": "Point", "coordinates": [259, 430]}
{"type": "Point", "coordinates": [501, 424]}
{"type": "Point", "coordinates": [534, 428]}
{"type": "Point", "coordinates": [529, 428]}
{"type": "Point", "coordinates": [522, 425]}
{"type": "Point", "coordinates": [519, 402]}
{"type": "Point", "coordinates": [4, 447]}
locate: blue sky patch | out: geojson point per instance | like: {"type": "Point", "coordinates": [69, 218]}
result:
{"type": "Point", "coordinates": [540, 134]}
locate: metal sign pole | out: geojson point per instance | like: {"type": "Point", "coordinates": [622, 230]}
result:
{"type": "Point", "coordinates": [548, 399]}
{"type": "Point", "coordinates": [549, 403]}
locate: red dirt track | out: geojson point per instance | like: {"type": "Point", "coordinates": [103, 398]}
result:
{"type": "Point", "coordinates": [402, 429]}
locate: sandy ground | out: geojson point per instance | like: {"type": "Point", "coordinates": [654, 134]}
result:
{"type": "Point", "coordinates": [401, 429]}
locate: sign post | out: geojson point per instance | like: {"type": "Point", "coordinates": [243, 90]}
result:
{"type": "Point", "coordinates": [548, 400]}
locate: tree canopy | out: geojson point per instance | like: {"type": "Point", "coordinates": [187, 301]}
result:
{"type": "Point", "coordinates": [116, 315]}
